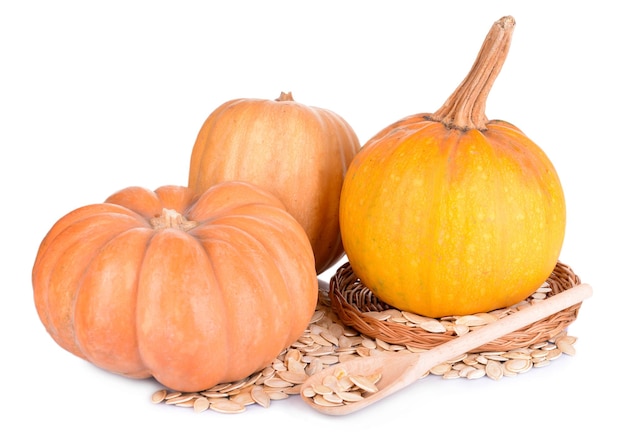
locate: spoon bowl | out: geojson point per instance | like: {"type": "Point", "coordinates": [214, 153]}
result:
{"type": "Point", "coordinates": [400, 370]}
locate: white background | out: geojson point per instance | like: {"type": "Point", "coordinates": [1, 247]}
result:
{"type": "Point", "coordinates": [98, 96]}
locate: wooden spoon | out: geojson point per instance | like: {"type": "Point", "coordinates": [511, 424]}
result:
{"type": "Point", "coordinates": [401, 370]}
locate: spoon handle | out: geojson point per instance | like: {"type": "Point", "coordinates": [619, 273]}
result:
{"type": "Point", "coordinates": [515, 321]}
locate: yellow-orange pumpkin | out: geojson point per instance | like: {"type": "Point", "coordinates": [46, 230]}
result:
{"type": "Point", "coordinates": [451, 213]}
{"type": "Point", "coordinates": [194, 292]}
{"type": "Point", "coordinates": [298, 152]}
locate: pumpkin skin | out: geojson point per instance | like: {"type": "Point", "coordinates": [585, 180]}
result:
{"type": "Point", "coordinates": [194, 300]}
{"type": "Point", "coordinates": [298, 152]}
{"type": "Point", "coordinates": [441, 218]}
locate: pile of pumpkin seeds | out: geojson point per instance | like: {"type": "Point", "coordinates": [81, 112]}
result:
{"type": "Point", "coordinates": [327, 341]}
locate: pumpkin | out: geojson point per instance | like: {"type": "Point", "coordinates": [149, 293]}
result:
{"type": "Point", "coordinates": [193, 291]}
{"type": "Point", "coordinates": [297, 152]}
{"type": "Point", "coordinates": [450, 213]}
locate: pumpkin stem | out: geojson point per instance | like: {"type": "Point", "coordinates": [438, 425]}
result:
{"type": "Point", "coordinates": [173, 219]}
{"type": "Point", "coordinates": [284, 97]}
{"type": "Point", "coordinates": [465, 108]}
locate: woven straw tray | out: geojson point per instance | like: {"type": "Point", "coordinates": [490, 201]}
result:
{"type": "Point", "coordinates": [354, 303]}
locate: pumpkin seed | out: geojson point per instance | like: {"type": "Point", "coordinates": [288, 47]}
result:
{"type": "Point", "coordinates": [171, 395]}
{"type": "Point", "coordinates": [179, 399]}
{"type": "Point", "coordinates": [475, 373]}
{"type": "Point", "coordinates": [518, 365]}
{"type": "Point", "coordinates": [350, 396]}
{"type": "Point", "coordinates": [244, 398]}
{"type": "Point", "coordinates": [565, 346]}
{"type": "Point", "coordinates": [553, 354]}
{"type": "Point", "coordinates": [432, 326]}
{"type": "Point", "coordinates": [201, 404]}
{"type": "Point", "coordinates": [364, 383]}
{"type": "Point", "coordinates": [227, 406]}
{"type": "Point", "coordinates": [159, 396]}
{"type": "Point", "coordinates": [308, 392]}
{"type": "Point", "coordinates": [494, 370]}
{"type": "Point", "coordinates": [333, 398]}
{"type": "Point", "coordinates": [441, 369]}
{"type": "Point", "coordinates": [471, 320]}
{"type": "Point", "coordinates": [260, 396]}
{"type": "Point", "coordinates": [541, 363]}
{"type": "Point", "coordinates": [321, 400]}
{"type": "Point", "coordinates": [293, 377]}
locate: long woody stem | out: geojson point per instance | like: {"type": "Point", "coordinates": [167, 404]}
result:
{"type": "Point", "coordinates": [465, 108]}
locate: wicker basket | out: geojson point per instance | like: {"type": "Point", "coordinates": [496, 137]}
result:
{"type": "Point", "coordinates": [351, 300]}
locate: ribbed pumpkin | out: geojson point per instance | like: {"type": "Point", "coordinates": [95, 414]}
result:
{"type": "Point", "coordinates": [449, 213]}
{"type": "Point", "coordinates": [194, 292]}
{"type": "Point", "coordinates": [298, 152]}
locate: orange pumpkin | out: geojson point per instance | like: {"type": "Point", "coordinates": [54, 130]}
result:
{"type": "Point", "coordinates": [193, 292]}
{"type": "Point", "coordinates": [451, 213]}
{"type": "Point", "coordinates": [297, 152]}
